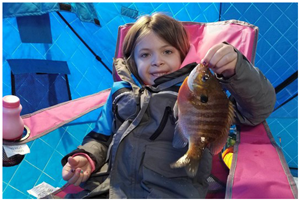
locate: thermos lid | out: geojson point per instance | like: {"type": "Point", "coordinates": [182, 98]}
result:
{"type": "Point", "coordinates": [11, 101]}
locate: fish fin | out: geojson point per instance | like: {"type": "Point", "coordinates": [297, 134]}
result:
{"type": "Point", "coordinates": [175, 110]}
{"type": "Point", "coordinates": [191, 165]}
{"type": "Point", "coordinates": [217, 145]}
{"type": "Point", "coordinates": [179, 140]}
{"type": "Point", "coordinates": [192, 168]}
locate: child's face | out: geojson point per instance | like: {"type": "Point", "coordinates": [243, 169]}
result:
{"type": "Point", "coordinates": [154, 57]}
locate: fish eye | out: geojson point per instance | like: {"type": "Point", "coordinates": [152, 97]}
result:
{"type": "Point", "coordinates": [205, 77]}
{"type": "Point", "coordinates": [203, 98]}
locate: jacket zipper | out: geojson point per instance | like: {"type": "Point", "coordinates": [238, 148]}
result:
{"type": "Point", "coordinates": [167, 113]}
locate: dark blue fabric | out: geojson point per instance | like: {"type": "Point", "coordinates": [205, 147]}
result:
{"type": "Point", "coordinates": [28, 9]}
{"type": "Point", "coordinates": [288, 92]}
{"type": "Point", "coordinates": [35, 29]}
{"type": "Point", "coordinates": [39, 83]}
{"type": "Point", "coordinates": [20, 66]}
{"type": "Point", "coordinates": [38, 91]}
{"type": "Point", "coordinates": [84, 11]}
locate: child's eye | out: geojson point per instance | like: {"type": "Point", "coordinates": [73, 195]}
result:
{"type": "Point", "coordinates": [144, 55]}
{"type": "Point", "coordinates": [168, 52]}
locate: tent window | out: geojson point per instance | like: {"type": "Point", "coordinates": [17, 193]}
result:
{"type": "Point", "coordinates": [39, 83]}
{"type": "Point", "coordinates": [35, 29]}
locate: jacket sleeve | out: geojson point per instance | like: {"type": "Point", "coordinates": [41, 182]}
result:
{"type": "Point", "coordinates": [251, 92]}
{"type": "Point", "coordinates": [96, 143]}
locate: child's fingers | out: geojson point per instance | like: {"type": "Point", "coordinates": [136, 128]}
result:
{"type": "Point", "coordinates": [72, 161]}
{"type": "Point", "coordinates": [85, 176]}
{"type": "Point", "coordinates": [227, 59]}
{"type": "Point", "coordinates": [79, 180]}
{"type": "Point", "coordinates": [219, 54]}
{"type": "Point", "coordinates": [226, 71]}
{"type": "Point", "coordinates": [67, 172]}
{"type": "Point", "coordinates": [210, 53]}
{"type": "Point", "coordinates": [75, 177]}
{"type": "Point", "coordinates": [226, 66]}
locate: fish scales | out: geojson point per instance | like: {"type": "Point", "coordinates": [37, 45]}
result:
{"type": "Point", "coordinates": [205, 115]}
{"type": "Point", "coordinates": [209, 115]}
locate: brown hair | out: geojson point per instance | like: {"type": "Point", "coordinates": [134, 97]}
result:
{"type": "Point", "coordinates": [169, 29]}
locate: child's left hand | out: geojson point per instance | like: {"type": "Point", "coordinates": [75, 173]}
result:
{"type": "Point", "coordinates": [221, 59]}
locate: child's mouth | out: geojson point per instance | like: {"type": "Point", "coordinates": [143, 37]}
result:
{"type": "Point", "coordinates": [158, 74]}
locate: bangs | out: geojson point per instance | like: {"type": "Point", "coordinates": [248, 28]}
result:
{"type": "Point", "coordinates": [143, 33]}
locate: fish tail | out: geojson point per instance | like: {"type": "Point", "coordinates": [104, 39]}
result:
{"type": "Point", "coordinates": [191, 164]}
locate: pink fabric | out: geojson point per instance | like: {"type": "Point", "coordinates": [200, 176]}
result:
{"type": "Point", "coordinates": [191, 57]}
{"type": "Point", "coordinates": [259, 171]}
{"type": "Point", "coordinates": [259, 174]}
{"type": "Point", "coordinates": [254, 135]}
{"type": "Point", "coordinates": [204, 35]}
{"type": "Point", "coordinates": [49, 119]}
{"type": "Point", "coordinates": [240, 35]}
{"type": "Point", "coordinates": [219, 169]}
{"type": "Point", "coordinates": [220, 172]}
{"type": "Point", "coordinates": [69, 189]}
{"type": "Point", "coordinates": [92, 163]}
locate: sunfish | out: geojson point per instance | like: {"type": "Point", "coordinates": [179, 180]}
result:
{"type": "Point", "coordinates": [205, 115]}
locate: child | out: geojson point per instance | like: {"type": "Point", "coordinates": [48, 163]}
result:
{"type": "Point", "coordinates": [136, 126]}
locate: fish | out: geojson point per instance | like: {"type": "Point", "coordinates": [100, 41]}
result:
{"type": "Point", "coordinates": [205, 115]}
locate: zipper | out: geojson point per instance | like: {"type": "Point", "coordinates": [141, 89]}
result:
{"type": "Point", "coordinates": [167, 113]}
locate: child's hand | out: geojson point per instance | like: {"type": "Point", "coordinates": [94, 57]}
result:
{"type": "Point", "coordinates": [221, 59]}
{"type": "Point", "coordinates": [77, 170]}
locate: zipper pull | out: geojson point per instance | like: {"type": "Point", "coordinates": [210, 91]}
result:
{"type": "Point", "coordinates": [138, 98]}
{"type": "Point", "coordinates": [141, 90]}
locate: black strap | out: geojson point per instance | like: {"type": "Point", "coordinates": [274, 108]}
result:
{"type": "Point", "coordinates": [13, 85]}
{"type": "Point", "coordinates": [96, 56]}
{"type": "Point", "coordinates": [285, 102]}
{"type": "Point", "coordinates": [185, 70]}
{"type": "Point", "coordinates": [286, 82]}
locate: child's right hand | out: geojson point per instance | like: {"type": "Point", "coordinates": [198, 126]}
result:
{"type": "Point", "coordinates": [221, 58]}
{"type": "Point", "coordinates": [77, 170]}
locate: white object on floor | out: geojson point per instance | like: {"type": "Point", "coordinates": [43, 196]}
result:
{"type": "Point", "coordinates": [12, 150]}
{"type": "Point", "coordinates": [296, 181]}
{"type": "Point", "coordinates": [42, 190]}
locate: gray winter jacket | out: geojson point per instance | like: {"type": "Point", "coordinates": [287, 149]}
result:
{"type": "Point", "coordinates": [133, 161]}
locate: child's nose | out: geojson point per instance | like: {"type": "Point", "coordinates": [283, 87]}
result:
{"type": "Point", "coordinates": [157, 61]}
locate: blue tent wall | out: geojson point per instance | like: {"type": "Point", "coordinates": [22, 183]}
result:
{"type": "Point", "coordinates": [276, 56]}
{"type": "Point", "coordinates": [87, 75]}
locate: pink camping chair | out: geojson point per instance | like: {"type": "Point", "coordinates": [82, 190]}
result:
{"type": "Point", "coordinates": [250, 176]}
